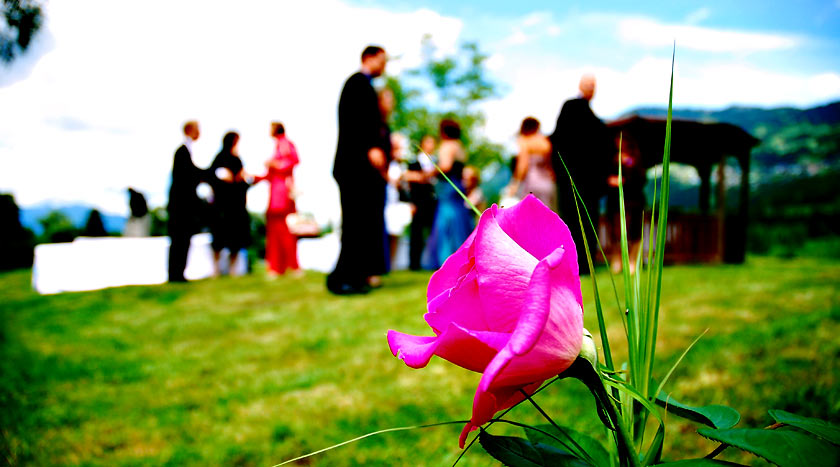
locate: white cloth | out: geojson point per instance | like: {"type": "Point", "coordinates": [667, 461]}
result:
{"type": "Point", "coordinates": [91, 263]}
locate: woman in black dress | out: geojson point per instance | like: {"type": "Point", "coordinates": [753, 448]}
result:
{"type": "Point", "coordinates": [231, 226]}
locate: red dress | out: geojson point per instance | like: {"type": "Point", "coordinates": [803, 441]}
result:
{"type": "Point", "coordinates": [280, 244]}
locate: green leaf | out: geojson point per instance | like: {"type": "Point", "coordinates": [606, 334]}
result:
{"type": "Point", "coordinates": [654, 453]}
{"type": "Point", "coordinates": [823, 429]}
{"type": "Point", "coordinates": [518, 452]}
{"type": "Point", "coordinates": [781, 447]}
{"type": "Point", "coordinates": [715, 416]}
{"type": "Point", "coordinates": [581, 445]}
{"type": "Point", "coordinates": [697, 463]}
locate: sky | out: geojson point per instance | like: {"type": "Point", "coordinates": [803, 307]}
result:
{"type": "Point", "coordinates": [98, 102]}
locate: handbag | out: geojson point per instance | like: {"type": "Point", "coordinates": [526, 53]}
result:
{"type": "Point", "coordinates": [302, 225]}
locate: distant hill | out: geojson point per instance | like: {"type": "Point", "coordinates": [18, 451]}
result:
{"type": "Point", "coordinates": [757, 121]}
{"type": "Point", "coordinates": [77, 213]}
{"type": "Point", "coordinates": [794, 142]}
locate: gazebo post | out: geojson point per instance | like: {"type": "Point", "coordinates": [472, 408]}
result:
{"type": "Point", "coordinates": [705, 173]}
{"type": "Point", "coordinates": [739, 248]}
{"type": "Point", "coordinates": [721, 208]}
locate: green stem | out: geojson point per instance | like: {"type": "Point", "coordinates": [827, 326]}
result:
{"type": "Point", "coordinates": [586, 373]}
{"type": "Point", "coordinates": [577, 447]}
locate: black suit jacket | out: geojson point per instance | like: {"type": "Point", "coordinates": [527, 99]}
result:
{"type": "Point", "coordinates": [586, 146]}
{"type": "Point", "coordinates": [359, 130]}
{"type": "Point", "coordinates": [184, 204]}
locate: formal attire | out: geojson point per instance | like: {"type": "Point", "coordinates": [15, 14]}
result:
{"type": "Point", "coordinates": [231, 223]}
{"type": "Point", "coordinates": [453, 220]}
{"type": "Point", "coordinates": [422, 196]}
{"type": "Point", "coordinates": [361, 186]}
{"type": "Point", "coordinates": [280, 244]}
{"type": "Point", "coordinates": [586, 147]}
{"type": "Point", "coordinates": [184, 209]}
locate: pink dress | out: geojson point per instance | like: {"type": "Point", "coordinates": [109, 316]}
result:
{"type": "Point", "coordinates": [280, 244]}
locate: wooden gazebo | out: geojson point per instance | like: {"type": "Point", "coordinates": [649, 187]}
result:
{"type": "Point", "coordinates": [709, 235]}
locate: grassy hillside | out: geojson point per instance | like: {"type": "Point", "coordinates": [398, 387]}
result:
{"type": "Point", "coordinates": [246, 371]}
{"type": "Point", "coordinates": [794, 142]}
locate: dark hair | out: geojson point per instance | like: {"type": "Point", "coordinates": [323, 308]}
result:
{"type": "Point", "coordinates": [450, 129]}
{"type": "Point", "coordinates": [529, 126]}
{"type": "Point", "coordinates": [277, 129]}
{"type": "Point", "coordinates": [229, 140]}
{"type": "Point", "coordinates": [371, 51]}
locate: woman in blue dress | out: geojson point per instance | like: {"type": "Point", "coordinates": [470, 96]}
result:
{"type": "Point", "coordinates": [453, 219]}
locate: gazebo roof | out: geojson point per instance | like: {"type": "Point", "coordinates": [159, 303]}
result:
{"type": "Point", "coordinates": [693, 143]}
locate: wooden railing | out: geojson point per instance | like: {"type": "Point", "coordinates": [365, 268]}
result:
{"type": "Point", "coordinates": [691, 238]}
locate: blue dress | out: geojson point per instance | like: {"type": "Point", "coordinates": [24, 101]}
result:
{"type": "Point", "coordinates": [453, 220]}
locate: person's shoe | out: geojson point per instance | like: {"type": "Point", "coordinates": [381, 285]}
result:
{"type": "Point", "coordinates": [347, 289]}
{"type": "Point", "coordinates": [343, 288]}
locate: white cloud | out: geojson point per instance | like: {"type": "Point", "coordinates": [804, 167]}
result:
{"type": "Point", "coordinates": [698, 15]}
{"type": "Point", "coordinates": [649, 32]}
{"type": "Point", "coordinates": [543, 84]}
{"type": "Point", "coordinates": [517, 38]}
{"type": "Point", "coordinates": [103, 106]}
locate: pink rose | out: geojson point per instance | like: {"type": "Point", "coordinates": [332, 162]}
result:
{"type": "Point", "coordinates": [506, 304]}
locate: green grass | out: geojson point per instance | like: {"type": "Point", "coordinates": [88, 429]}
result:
{"type": "Point", "coordinates": [246, 371]}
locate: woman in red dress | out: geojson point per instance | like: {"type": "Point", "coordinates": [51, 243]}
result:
{"type": "Point", "coordinates": [280, 244]}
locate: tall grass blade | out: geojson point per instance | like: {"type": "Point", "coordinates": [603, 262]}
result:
{"type": "Point", "coordinates": [602, 327]}
{"type": "Point", "coordinates": [445, 177]}
{"type": "Point", "coordinates": [358, 438]}
{"type": "Point", "coordinates": [662, 228]}
{"type": "Point", "coordinates": [677, 363]}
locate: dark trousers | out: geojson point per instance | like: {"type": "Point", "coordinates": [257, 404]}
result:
{"type": "Point", "coordinates": [421, 226]}
{"type": "Point", "coordinates": [363, 250]}
{"type": "Point", "coordinates": [180, 232]}
{"type": "Point", "coordinates": [569, 214]}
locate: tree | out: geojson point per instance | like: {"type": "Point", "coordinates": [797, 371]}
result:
{"type": "Point", "coordinates": [57, 228]}
{"type": "Point", "coordinates": [449, 87]}
{"type": "Point", "coordinates": [23, 19]}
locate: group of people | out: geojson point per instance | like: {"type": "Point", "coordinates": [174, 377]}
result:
{"type": "Point", "coordinates": [227, 215]}
{"type": "Point", "coordinates": [365, 152]}
{"type": "Point", "coordinates": [588, 156]}
{"type": "Point", "coordinates": [371, 164]}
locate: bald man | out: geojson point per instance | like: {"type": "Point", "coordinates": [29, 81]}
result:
{"type": "Point", "coordinates": [586, 146]}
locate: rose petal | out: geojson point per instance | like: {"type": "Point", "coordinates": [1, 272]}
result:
{"type": "Point", "coordinates": [539, 347]}
{"type": "Point", "coordinates": [453, 268]}
{"type": "Point", "coordinates": [503, 271]}
{"type": "Point", "coordinates": [472, 350]}
{"type": "Point", "coordinates": [460, 305]}
{"type": "Point", "coordinates": [493, 402]}
{"type": "Point", "coordinates": [536, 228]}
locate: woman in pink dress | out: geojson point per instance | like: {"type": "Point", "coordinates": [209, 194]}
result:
{"type": "Point", "coordinates": [280, 244]}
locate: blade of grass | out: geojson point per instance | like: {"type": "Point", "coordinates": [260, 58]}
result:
{"type": "Point", "coordinates": [358, 438]}
{"type": "Point", "coordinates": [602, 329]}
{"type": "Point", "coordinates": [445, 177]}
{"type": "Point", "coordinates": [674, 367]}
{"type": "Point", "coordinates": [661, 230]}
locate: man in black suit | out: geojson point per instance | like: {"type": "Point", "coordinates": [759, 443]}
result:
{"type": "Point", "coordinates": [359, 170]}
{"type": "Point", "coordinates": [586, 146]}
{"type": "Point", "coordinates": [184, 206]}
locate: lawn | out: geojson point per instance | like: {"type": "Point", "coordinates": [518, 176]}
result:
{"type": "Point", "coordinates": [247, 371]}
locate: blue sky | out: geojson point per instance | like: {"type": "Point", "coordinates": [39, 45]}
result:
{"type": "Point", "coordinates": [97, 106]}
